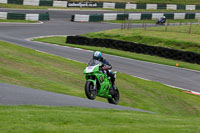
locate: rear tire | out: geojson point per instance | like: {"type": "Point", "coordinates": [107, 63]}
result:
{"type": "Point", "coordinates": [90, 92]}
{"type": "Point", "coordinates": [115, 97]}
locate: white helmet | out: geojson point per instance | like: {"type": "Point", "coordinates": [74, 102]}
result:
{"type": "Point", "coordinates": [97, 55]}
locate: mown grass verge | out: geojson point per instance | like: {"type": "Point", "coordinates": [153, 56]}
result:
{"type": "Point", "coordinates": [17, 21]}
{"type": "Point", "coordinates": [74, 119]}
{"type": "Point", "coordinates": [29, 68]}
{"type": "Point", "coordinates": [154, 59]}
{"type": "Point", "coordinates": [176, 37]}
{"type": "Point", "coordinates": [176, 111]}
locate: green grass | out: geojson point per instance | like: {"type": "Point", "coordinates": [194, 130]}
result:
{"type": "Point", "coordinates": [176, 111]}
{"type": "Point", "coordinates": [154, 21]}
{"type": "Point", "coordinates": [17, 21]}
{"type": "Point", "coordinates": [154, 59]}
{"type": "Point", "coordinates": [176, 37]}
{"type": "Point", "coordinates": [29, 68]}
{"type": "Point", "coordinates": [75, 120]}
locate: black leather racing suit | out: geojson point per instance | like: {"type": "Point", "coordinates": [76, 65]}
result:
{"type": "Point", "coordinates": [109, 71]}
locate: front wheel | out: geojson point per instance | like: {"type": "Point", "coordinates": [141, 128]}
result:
{"type": "Point", "coordinates": [115, 97]}
{"type": "Point", "coordinates": [90, 90]}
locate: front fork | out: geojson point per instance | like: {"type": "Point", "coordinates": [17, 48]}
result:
{"type": "Point", "coordinates": [94, 83]}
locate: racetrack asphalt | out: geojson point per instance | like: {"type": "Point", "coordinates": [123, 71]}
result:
{"type": "Point", "coordinates": [17, 33]}
{"type": "Point", "coordinates": [15, 95]}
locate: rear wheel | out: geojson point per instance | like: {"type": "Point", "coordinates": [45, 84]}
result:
{"type": "Point", "coordinates": [115, 97]}
{"type": "Point", "coordinates": [90, 90]}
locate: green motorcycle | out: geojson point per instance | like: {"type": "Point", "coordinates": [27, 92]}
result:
{"type": "Point", "coordinates": [98, 83]}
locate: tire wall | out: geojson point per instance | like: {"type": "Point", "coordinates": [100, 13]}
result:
{"type": "Point", "coordinates": [190, 57]}
{"type": "Point", "coordinates": [23, 16]}
{"type": "Point", "coordinates": [110, 5]}
{"type": "Point", "coordinates": [133, 16]}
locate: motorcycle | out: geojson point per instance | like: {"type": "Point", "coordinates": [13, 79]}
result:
{"type": "Point", "coordinates": [98, 83]}
{"type": "Point", "coordinates": [161, 21]}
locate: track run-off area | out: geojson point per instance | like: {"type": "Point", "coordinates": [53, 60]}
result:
{"type": "Point", "coordinates": [60, 24]}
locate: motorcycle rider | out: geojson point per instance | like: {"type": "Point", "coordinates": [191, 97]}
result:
{"type": "Point", "coordinates": [161, 20]}
{"type": "Point", "coordinates": [106, 66]}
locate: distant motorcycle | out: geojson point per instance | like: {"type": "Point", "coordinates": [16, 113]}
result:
{"type": "Point", "coordinates": [161, 20]}
{"type": "Point", "coordinates": [98, 83]}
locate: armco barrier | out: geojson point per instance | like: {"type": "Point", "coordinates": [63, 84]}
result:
{"type": "Point", "coordinates": [102, 5]}
{"type": "Point", "coordinates": [132, 16]}
{"type": "Point", "coordinates": [23, 16]}
{"type": "Point", "coordinates": [136, 47]}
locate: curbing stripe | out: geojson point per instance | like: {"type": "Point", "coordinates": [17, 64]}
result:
{"type": "Point", "coordinates": [134, 16]}
{"type": "Point", "coordinates": [181, 7]}
{"type": "Point", "coordinates": [190, 16]}
{"type": "Point", "coordinates": [157, 15]}
{"type": "Point", "coordinates": [146, 16]}
{"type": "Point", "coordinates": [122, 16]}
{"type": "Point", "coordinates": [190, 7]}
{"type": "Point", "coordinates": [4, 1]}
{"type": "Point", "coordinates": [197, 15]}
{"type": "Point", "coordinates": [131, 6]}
{"type": "Point", "coordinates": [110, 16]}
{"type": "Point", "coordinates": [179, 15]}
{"type": "Point", "coordinates": [171, 7]}
{"type": "Point", "coordinates": [3, 15]}
{"type": "Point", "coordinates": [81, 18]}
{"type": "Point", "coordinates": [192, 92]}
{"type": "Point", "coordinates": [108, 5]}
{"type": "Point", "coordinates": [96, 18]}
{"type": "Point", "coordinates": [120, 5]}
{"type": "Point", "coordinates": [17, 16]}
{"type": "Point", "coordinates": [46, 3]}
{"type": "Point", "coordinates": [162, 6]}
{"type": "Point", "coordinates": [151, 6]}
{"type": "Point", "coordinates": [19, 2]}
{"type": "Point", "coordinates": [31, 2]}
{"type": "Point", "coordinates": [169, 15]}
{"type": "Point", "coordinates": [141, 6]}
{"type": "Point", "coordinates": [32, 17]}
{"type": "Point", "coordinates": [60, 4]}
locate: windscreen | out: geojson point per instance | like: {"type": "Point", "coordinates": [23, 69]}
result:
{"type": "Point", "coordinates": [93, 62]}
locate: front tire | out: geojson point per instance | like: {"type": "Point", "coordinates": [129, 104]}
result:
{"type": "Point", "coordinates": [115, 97]}
{"type": "Point", "coordinates": [90, 91]}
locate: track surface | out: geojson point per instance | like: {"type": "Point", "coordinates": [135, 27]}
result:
{"type": "Point", "coordinates": [15, 95]}
{"type": "Point", "coordinates": [59, 25]}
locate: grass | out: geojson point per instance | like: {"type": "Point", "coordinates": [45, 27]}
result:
{"type": "Point", "coordinates": [29, 68]}
{"type": "Point", "coordinates": [154, 59]}
{"type": "Point", "coordinates": [176, 111]}
{"type": "Point", "coordinates": [176, 37]}
{"type": "Point", "coordinates": [154, 21]}
{"type": "Point", "coordinates": [16, 21]}
{"type": "Point", "coordinates": [75, 120]}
